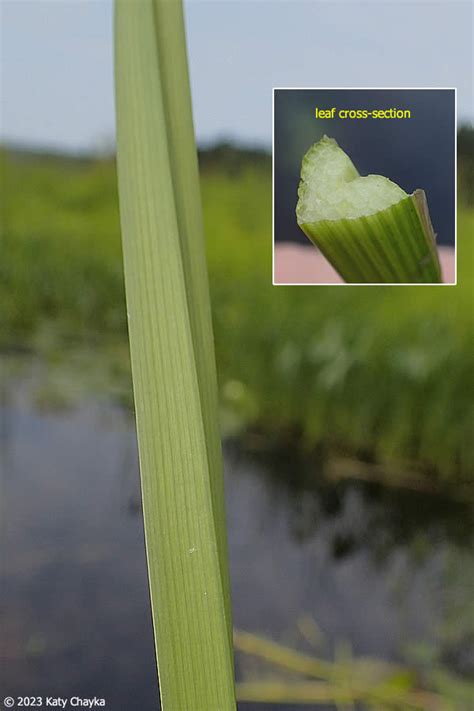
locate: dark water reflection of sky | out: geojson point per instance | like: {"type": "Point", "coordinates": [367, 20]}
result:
{"type": "Point", "coordinates": [370, 568]}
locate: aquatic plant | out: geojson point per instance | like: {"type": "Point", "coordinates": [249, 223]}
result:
{"type": "Point", "coordinates": [367, 227]}
{"type": "Point", "coordinates": [347, 681]}
{"type": "Point", "coordinates": [173, 364]}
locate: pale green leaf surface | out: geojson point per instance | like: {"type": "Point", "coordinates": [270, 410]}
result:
{"type": "Point", "coordinates": [172, 359]}
{"type": "Point", "coordinates": [184, 169]}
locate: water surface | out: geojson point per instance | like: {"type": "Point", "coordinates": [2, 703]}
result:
{"type": "Point", "coordinates": [387, 572]}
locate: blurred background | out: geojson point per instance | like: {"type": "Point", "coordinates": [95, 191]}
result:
{"type": "Point", "coordinates": [417, 152]}
{"type": "Point", "coordinates": [346, 413]}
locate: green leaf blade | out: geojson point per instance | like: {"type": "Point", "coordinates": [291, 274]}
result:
{"type": "Point", "coordinates": [171, 44]}
{"type": "Point", "coordinates": [173, 368]}
{"type": "Point", "coordinates": [391, 246]}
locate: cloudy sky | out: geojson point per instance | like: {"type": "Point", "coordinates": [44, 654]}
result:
{"type": "Point", "coordinates": [57, 67]}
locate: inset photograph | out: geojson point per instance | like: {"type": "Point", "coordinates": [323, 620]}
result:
{"type": "Point", "coordinates": [364, 186]}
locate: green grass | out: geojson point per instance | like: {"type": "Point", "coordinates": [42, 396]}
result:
{"type": "Point", "coordinates": [383, 373]}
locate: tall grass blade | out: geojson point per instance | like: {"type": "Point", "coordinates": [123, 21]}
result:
{"type": "Point", "coordinates": [174, 73]}
{"type": "Point", "coordinates": [172, 356]}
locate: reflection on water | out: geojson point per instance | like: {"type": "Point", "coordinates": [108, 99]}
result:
{"type": "Point", "coordinates": [389, 573]}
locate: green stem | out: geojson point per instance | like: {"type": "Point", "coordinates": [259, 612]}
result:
{"type": "Point", "coordinates": [367, 227]}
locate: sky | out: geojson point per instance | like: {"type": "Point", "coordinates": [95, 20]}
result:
{"type": "Point", "coordinates": [57, 61]}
